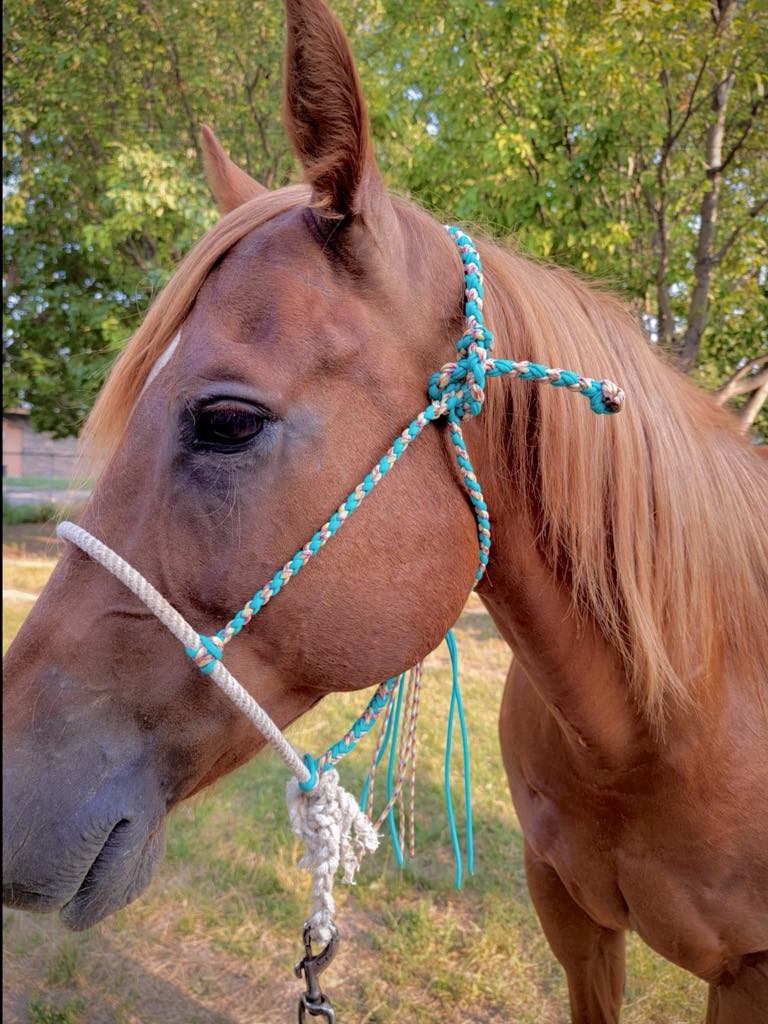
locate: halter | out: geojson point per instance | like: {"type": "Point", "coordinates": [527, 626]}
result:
{"type": "Point", "coordinates": [335, 828]}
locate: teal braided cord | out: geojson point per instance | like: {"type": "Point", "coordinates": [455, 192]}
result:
{"type": "Point", "coordinates": [212, 647]}
{"type": "Point", "coordinates": [457, 391]}
{"type": "Point", "coordinates": [380, 753]}
{"type": "Point", "coordinates": [362, 725]}
{"type": "Point", "coordinates": [475, 494]}
{"type": "Point", "coordinates": [391, 778]}
{"type": "Point", "coordinates": [461, 385]}
{"type": "Point", "coordinates": [457, 709]}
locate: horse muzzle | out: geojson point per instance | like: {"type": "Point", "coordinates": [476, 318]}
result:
{"type": "Point", "coordinates": [83, 854]}
{"type": "Point", "coordinates": [82, 816]}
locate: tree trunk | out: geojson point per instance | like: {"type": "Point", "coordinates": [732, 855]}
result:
{"type": "Point", "coordinates": [753, 406]}
{"type": "Point", "coordinates": [705, 246]}
{"type": "Point", "coordinates": [722, 13]}
{"type": "Point", "coordinates": [665, 324]}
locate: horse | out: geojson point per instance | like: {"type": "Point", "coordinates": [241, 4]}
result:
{"type": "Point", "coordinates": [628, 572]}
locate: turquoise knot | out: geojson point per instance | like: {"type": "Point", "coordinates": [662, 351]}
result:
{"type": "Point", "coordinates": [207, 654]}
{"type": "Point", "coordinates": [460, 386]}
{"type": "Point", "coordinates": [311, 782]}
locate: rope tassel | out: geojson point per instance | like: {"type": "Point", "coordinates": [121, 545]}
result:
{"type": "Point", "coordinates": [336, 833]}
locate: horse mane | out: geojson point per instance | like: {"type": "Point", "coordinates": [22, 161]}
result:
{"type": "Point", "coordinates": [652, 517]}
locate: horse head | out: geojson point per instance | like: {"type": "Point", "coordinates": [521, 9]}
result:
{"type": "Point", "coordinates": [293, 343]}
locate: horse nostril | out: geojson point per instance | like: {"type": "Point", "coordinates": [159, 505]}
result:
{"type": "Point", "coordinates": [111, 843]}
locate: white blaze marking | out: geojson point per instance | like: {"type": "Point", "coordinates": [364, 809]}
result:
{"type": "Point", "coordinates": [162, 360]}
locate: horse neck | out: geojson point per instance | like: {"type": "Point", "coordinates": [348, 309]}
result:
{"type": "Point", "coordinates": [649, 524]}
{"type": "Point", "coordinates": [573, 672]}
{"type": "Point", "coordinates": [574, 668]}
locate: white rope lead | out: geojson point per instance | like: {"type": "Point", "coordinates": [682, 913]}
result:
{"type": "Point", "coordinates": [181, 629]}
{"type": "Point", "coordinates": [334, 828]}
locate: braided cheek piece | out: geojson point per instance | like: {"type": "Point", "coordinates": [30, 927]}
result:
{"type": "Point", "coordinates": [211, 648]}
{"type": "Point", "coordinates": [456, 390]}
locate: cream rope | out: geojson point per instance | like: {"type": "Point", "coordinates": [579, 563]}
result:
{"type": "Point", "coordinates": [334, 828]}
{"type": "Point", "coordinates": [181, 629]}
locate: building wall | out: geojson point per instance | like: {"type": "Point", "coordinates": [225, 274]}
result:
{"type": "Point", "coordinates": [28, 453]}
{"type": "Point", "coordinates": [13, 442]}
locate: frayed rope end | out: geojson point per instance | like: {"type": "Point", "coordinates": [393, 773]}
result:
{"type": "Point", "coordinates": [336, 833]}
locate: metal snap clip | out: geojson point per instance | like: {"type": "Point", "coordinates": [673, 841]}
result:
{"type": "Point", "coordinates": [313, 1001]}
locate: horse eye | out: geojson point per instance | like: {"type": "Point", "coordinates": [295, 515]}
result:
{"type": "Point", "coordinates": [227, 424]}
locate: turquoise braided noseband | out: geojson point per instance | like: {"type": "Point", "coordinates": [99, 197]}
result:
{"type": "Point", "coordinates": [457, 391]}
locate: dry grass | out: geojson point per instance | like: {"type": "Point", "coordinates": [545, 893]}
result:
{"type": "Point", "coordinates": [215, 938]}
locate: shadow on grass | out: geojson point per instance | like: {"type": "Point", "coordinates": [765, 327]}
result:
{"type": "Point", "coordinates": [116, 983]}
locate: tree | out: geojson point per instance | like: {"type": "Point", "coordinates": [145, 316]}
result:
{"type": "Point", "coordinates": [622, 137]}
{"type": "Point", "coordinates": [102, 171]}
{"type": "Point", "coordinates": [625, 139]}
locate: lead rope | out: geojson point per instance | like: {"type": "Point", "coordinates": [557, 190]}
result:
{"type": "Point", "coordinates": [335, 829]}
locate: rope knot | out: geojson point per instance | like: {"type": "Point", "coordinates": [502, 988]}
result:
{"type": "Point", "coordinates": [208, 653]}
{"type": "Point", "coordinates": [336, 833]}
{"type": "Point", "coordinates": [613, 396]}
{"type": "Point", "coordinates": [460, 387]}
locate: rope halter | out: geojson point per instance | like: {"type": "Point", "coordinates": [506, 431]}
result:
{"type": "Point", "coordinates": [335, 829]}
{"type": "Point", "coordinates": [459, 387]}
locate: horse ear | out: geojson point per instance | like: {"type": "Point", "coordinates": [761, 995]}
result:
{"type": "Point", "coordinates": [324, 113]}
{"type": "Point", "coordinates": [230, 186]}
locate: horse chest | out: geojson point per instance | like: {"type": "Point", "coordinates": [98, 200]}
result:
{"type": "Point", "coordinates": [651, 848]}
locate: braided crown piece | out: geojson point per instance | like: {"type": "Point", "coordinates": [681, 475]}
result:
{"type": "Point", "coordinates": [460, 386]}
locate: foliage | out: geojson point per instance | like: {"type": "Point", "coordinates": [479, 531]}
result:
{"type": "Point", "coordinates": [40, 1011]}
{"type": "Point", "coordinates": [102, 175]}
{"type": "Point", "coordinates": [581, 129]}
{"type": "Point", "coordinates": [28, 512]}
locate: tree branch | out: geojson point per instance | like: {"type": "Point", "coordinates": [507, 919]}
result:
{"type": "Point", "coordinates": [173, 54]}
{"type": "Point", "coordinates": [753, 212]}
{"type": "Point", "coordinates": [689, 109]}
{"type": "Point", "coordinates": [746, 126]}
{"type": "Point", "coordinates": [753, 406]}
{"type": "Point", "coordinates": [746, 379]}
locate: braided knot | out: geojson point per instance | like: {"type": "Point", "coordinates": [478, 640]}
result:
{"type": "Point", "coordinates": [459, 387]}
{"type": "Point", "coordinates": [208, 653]}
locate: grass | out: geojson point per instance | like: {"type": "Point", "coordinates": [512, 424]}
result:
{"type": "Point", "coordinates": [40, 1011]}
{"type": "Point", "coordinates": [38, 483]}
{"type": "Point", "coordinates": [214, 939]}
{"type": "Point", "coordinates": [28, 512]}
{"type": "Point", "coordinates": [27, 574]}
